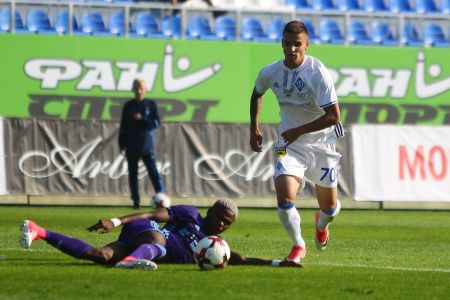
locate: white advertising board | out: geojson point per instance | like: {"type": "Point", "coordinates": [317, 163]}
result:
{"type": "Point", "coordinates": [401, 163]}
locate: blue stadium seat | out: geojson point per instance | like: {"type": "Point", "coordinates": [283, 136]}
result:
{"type": "Point", "coordinates": [275, 30]}
{"type": "Point", "coordinates": [376, 6]}
{"type": "Point", "coordinates": [410, 35]}
{"type": "Point", "coordinates": [198, 28]}
{"type": "Point", "coordinates": [357, 34]}
{"type": "Point", "coordinates": [5, 21]}
{"type": "Point", "coordinates": [61, 23]}
{"type": "Point", "coordinates": [92, 24]}
{"type": "Point", "coordinates": [400, 6]}
{"type": "Point", "coordinates": [116, 24]}
{"type": "Point", "coordinates": [324, 5]}
{"type": "Point", "coordinates": [171, 26]}
{"type": "Point", "coordinates": [382, 34]}
{"type": "Point", "coordinates": [426, 7]}
{"type": "Point", "coordinates": [312, 36]}
{"type": "Point", "coordinates": [252, 30]}
{"type": "Point", "coordinates": [39, 22]}
{"type": "Point", "coordinates": [433, 35]}
{"type": "Point", "coordinates": [299, 4]}
{"type": "Point", "coordinates": [330, 32]}
{"type": "Point", "coordinates": [146, 25]}
{"type": "Point", "coordinates": [445, 7]}
{"type": "Point", "coordinates": [225, 28]}
{"type": "Point", "coordinates": [349, 5]}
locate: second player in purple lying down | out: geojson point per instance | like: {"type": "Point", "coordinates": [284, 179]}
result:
{"type": "Point", "coordinates": [142, 242]}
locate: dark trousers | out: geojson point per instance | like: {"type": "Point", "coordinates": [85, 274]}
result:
{"type": "Point", "coordinates": [150, 163]}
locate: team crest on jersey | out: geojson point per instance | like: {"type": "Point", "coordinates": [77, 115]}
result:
{"type": "Point", "coordinates": [299, 84]}
{"type": "Point", "coordinates": [276, 86]}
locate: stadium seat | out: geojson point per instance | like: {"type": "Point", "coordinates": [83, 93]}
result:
{"type": "Point", "coordinates": [375, 6]}
{"type": "Point", "coordinates": [330, 33]}
{"type": "Point", "coordinates": [312, 36]}
{"type": "Point", "coordinates": [324, 5]}
{"type": "Point", "coordinates": [445, 7]}
{"type": "Point", "coordinates": [39, 22]}
{"type": "Point", "coordinates": [171, 26]}
{"type": "Point", "coordinates": [275, 30]}
{"type": "Point", "coordinates": [299, 4]}
{"type": "Point", "coordinates": [146, 25]}
{"type": "Point", "coordinates": [92, 24]}
{"type": "Point", "coordinates": [382, 34]}
{"type": "Point", "coordinates": [349, 5]}
{"type": "Point", "coordinates": [357, 34]}
{"type": "Point", "coordinates": [5, 21]}
{"type": "Point", "coordinates": [426, 7]}
{"type": "Point", "coordinates": [433, 35]}
{"type": "Point", "coordinates": [61, 23]}
{"type": "Point", "coordinates": [410, 35]}
{"type": "Point", "coordinates": [400, 6]}
{"type": "Point", "coordinates": [225, 28]}
{"type": "Point", "coordinates": [252, 30]}
{"type": "Point", "coordinates": [198, 28]}
{"type": "Point", "coordinates": [116, 24]}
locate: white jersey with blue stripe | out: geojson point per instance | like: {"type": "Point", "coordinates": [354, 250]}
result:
{"type": "Point", "coordinates": [302, 93]}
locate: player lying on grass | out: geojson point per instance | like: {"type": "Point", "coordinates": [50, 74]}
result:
{"type": "Point", "coordinates": [142, 241]}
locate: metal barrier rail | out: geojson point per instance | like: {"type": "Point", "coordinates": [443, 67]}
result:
{"type": "Point", "coordinates": [286, 13]}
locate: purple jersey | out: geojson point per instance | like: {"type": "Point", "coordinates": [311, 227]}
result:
{"type": "Point", "coordinates": [186, 227]}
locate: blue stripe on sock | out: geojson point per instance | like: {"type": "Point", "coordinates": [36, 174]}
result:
{"type": "Point", "coordinates": [286, 206]}
{"type": "Point", "coordinates": [329, 212]}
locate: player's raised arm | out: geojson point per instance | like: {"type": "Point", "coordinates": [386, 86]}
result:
{"type": "Point", "coordinates": [238, 259]}
{"type": "Point", "coordinates": [255, 109]}
{"type": "Point", "coordinates": [105, 226]}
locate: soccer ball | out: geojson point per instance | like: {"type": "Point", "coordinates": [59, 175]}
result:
{"type": "Point", "coordinates": [160, 200]}
{"type": "Point", "coordinates": [212, 252]}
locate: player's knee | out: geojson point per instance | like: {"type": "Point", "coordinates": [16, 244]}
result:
{"type": "Point", "coordinates": [333, 212]}
{"type": "Point", "coordinates": [101, 255]}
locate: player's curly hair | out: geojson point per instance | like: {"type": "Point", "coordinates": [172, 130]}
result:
{"type": "Point", "coordinates": [295, 27]}
{"type": "Point", "coordinates": [230, 204]}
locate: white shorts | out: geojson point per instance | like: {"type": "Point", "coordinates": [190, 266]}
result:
{"type": "Point", "coordinates": [318, 163]}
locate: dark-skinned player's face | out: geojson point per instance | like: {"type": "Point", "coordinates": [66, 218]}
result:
{"type": "Point", "coordinates": [294, 48]}
{"type": "Point", "coordinates": [219, 219]}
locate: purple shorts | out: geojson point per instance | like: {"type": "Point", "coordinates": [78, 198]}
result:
{"type": "Point", "coordinates": [131, 230]}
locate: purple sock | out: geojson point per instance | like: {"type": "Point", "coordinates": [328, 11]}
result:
{"type": "Point", "coordinates": [147, 251]}
{"type": "Point", "coordinates": [69, 245]}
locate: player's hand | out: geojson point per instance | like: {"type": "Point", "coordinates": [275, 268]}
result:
{"type": "Point", "coordinates": [137, 116]}
{"type": "Point", "coordinates": [291, 264]}
{"type": "Point", "coordinates": [104, 226]}
{"type": "Point", "coordinates": [256, 140]}
{"type": "Point", "coordinates": [291, 135]}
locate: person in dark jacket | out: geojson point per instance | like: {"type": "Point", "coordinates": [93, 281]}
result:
{"type": "Point", "coordinates": [137, 141]}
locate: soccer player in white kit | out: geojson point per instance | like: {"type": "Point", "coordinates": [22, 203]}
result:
{"type": "Point", "coordinates": [309, 127]}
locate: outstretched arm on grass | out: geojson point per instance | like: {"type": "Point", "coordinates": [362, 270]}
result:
{"type": "Point", "coordinates": [238, 259]}
{"type": "Point", "coordinates": [105, 226]}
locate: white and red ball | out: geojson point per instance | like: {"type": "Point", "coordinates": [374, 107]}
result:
{"type": "Point", "coordinates": [160, 200]}
{"type": "Point", "coordinates": [212, 252]}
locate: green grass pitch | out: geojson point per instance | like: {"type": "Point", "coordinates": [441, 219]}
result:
{"type": "Point", "coordinates": [371, 255]}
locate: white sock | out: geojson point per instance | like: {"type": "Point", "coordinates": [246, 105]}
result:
{"type": "Point", "coordinates": [290, 219]}
{"type": "Point", "coordinates": [327, 217]}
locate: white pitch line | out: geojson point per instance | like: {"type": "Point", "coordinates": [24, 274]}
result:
{"type": "Point", "coordinates": [316, 264]}
{"type": "Point", "coordinates": [383, 267]}
{"type": "Point", "coordinates": [31, 250]}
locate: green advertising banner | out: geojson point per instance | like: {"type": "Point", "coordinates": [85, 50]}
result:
{"type": "Point", "coordinates": [210, 81]}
